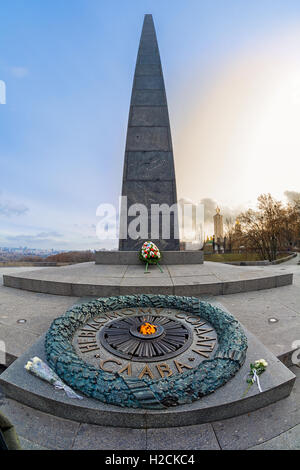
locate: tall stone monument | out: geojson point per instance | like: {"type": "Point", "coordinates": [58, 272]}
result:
{"type": "Point", "coordinates": [149, 175]}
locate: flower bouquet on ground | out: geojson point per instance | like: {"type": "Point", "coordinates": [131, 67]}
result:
{"type": "Point", "coordinates": [150, 254]}
{"type": "Point", "coordinates": [256, 370]}
{"type": "Point", "coordinates": [40, 369]}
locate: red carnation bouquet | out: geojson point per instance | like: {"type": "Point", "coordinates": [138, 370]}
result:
{"type": "Point", "coordinates": [150, 254]}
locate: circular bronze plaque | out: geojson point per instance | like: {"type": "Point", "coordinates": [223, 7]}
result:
{"type": "Point", "coordinates": [124, 339]}
{"type": "Point", "coordinates": [192, 348]}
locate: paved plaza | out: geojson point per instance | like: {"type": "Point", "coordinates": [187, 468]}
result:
{"type": "Point", "coordinates": [276, 426]}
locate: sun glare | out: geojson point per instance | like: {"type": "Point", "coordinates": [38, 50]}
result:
{"type": "Point", "coordinates": [243, 133]}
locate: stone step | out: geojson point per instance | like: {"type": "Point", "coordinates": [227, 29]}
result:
{"type": "Point", "coordinates": [89, 279]}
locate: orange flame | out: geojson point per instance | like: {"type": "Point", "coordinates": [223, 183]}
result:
{"type": "Point", "coordinates": [147, 329]}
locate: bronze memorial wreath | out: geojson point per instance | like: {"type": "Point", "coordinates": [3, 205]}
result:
{"type": "Point", "coordinates": [115, 389]}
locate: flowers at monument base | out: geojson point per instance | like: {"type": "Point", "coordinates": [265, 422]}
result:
{"type": "Point", "coordinates": [150, 254]}
{"type": "Point", "coordinates": [256, 370]}
{"type": "Point", "coordinates": [261, 363]}
{"type": "Point", "coordinates": [40, 369]}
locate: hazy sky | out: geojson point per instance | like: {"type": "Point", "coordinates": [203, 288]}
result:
{"type": "Point", "coordinates": [232, 74]}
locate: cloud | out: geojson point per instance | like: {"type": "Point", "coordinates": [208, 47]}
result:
{"type": "Point", "coordinates": [292, 196]}
{"type": "Point", "coordinates": [19, 72]}
{"type": "Point", "coordinates": [9, 208]}
{"type": "Point", "coordinates": [228, 212]}
{"type": "Point", "coordinates": [39, 237]}
{"type": "Point", "coordinates": [210, 206]}
{"type": "Point", "coordinates": [52, 234]}
{"type": "Point", "coordinates": [85, 226]}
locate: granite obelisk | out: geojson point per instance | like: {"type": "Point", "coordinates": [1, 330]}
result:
{"type": "Point", "coordinates": [149, 174]}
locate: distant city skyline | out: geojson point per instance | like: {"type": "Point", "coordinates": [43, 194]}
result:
{"type": "Point", "coordinates": [232, 75]}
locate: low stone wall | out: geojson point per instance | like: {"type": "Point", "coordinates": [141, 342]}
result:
{"type": "Point", "coordinates": [131, 257]}
{"type": "Point", "coordinates": [261, 263]}
{"type": "Point", "coordinates": [22, 264]}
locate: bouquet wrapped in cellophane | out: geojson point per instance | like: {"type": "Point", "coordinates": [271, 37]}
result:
{"type": "Point", "coordinates": [150, 254]}
{"type": "Point", "coordinates": [40, 369]}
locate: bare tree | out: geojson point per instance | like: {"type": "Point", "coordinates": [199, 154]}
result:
{"type": "Point", "coordinates": [229, 232]}
{"type": "Point", "coordinates": [271, 227]}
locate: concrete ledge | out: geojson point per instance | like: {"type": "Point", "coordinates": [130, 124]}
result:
{"type": "Point", "coordinates": [226, 402]}
{"type": "Point", "coordinates": [131, 257]}
{"type": "Point", "coordinates": [23, 264]}
{"type": "Point", "coordinates": [88, 279]}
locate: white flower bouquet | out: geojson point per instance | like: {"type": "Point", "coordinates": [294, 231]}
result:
{"type": "Point", "coordinates": [40, 369]}
{"type": "Point", "coordinates": [256, 370]}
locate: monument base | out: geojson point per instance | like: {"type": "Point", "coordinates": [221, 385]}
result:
{"type": "Point", "coordinates": [105, 280]}
{"type": "Point", "coordinates": [131, 257]}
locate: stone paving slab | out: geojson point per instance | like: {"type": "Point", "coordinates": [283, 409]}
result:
{"type": "Point", "coordinates": [91, 437]}
{"type": "Point", "coordinates": [39, 310]}
{"type": "Point", "coordinates": [15, 341]}
{"type": "Point", "coordinates": [200, 437]}
{"type": "Point", "coordinates": [256, 308]}
{"type": "Point", "coordinates": [289, 440]}
{"type": "Point", "coordinates": [29, 445]}
{"type": "Point", "coordinates": [153, 272]}
{"type": "Point", "coordinates": [190, 270]}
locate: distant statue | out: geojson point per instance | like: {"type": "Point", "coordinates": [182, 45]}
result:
{"type": "Point", "coordinates": [237, 226]}
{"type": "Point", "coordinates": [218, 225]}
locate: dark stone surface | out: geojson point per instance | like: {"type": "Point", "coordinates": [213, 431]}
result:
{"type": "Point", "coordinates": [91, 437]}
{"type": "Point", "coordinates": [147, 139]}
{"type": "Point", "coordinates": [149, 59]}
{"type": "Point", "coordinates": [149, 192]}
{"type": "Point", "coordinates": [148, 98]}
{"type": "Point", "coordinates": [29, 445]}
{"type": "Point", "coordinates": [149, 115]}
{"type": "Point", "coordinates": [149, 175]}
{"type": "Point", "coordinates": [46, 430]}
{"type": "Point", "coordinates": [147, 70]}
{"type": "Point", "coordinates": [131, 258]}
{"type": "Point", "coordinates": [149, 82]}
{"type": "Point", "coordinates": [149, 166]}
